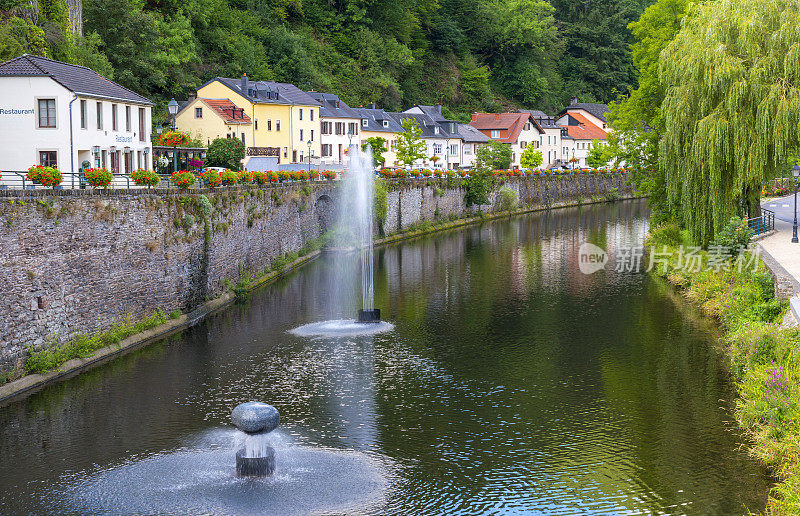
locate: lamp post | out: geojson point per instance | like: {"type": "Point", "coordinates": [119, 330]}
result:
{"type": "Point", "coordinates": [159, 130]}
{"type": "Point", "coordinates": [795, 173]}
{"type": "Point", "coordinates": [172, 107]}
{"type": "Point", "coordinates": [309, 158]}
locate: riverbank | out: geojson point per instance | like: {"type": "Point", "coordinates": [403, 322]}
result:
{"type": "Point", "coordinates": [30, 383]}
{"type": "Point", "coordinates": [762, 354]}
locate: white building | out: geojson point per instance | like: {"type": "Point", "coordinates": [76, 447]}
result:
{"type": "Point", "coordinates": [443, 136]}
{"type": "Point", "coordinates": [472, 138]}
{"type": "Point", "coordinates": [61, 115]}
{"type": "Point", "coordinates": [339, 126]}
{"type": "Point", "coordinates": [518, 130]}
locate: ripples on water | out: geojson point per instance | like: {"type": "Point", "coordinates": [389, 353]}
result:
{"type": "Point", "coordinates": [510, 383]}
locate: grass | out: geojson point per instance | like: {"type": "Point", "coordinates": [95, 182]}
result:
{"type": "Point", "coordinates": [763, 358]}
{"type": "Point", "coordinates": [84, 346]}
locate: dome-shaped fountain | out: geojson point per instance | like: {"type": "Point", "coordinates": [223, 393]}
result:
{"type": "Point", "coordinates": [256, 458]}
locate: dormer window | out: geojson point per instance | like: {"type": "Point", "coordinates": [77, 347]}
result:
{"type": "Point", "coordinates": [364, 122]}
{"type": "Point", "coordinates": [495, 133]}
{"type": "Point", "coordinates": [385, 123]}
{"type": "Point", "coordinates": [435, 130]}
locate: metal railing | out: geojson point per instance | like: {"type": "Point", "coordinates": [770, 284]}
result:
{"type": "Point", "coordinates": [762, 224]}
{"type": "Point", "coordinates": [17, 180]}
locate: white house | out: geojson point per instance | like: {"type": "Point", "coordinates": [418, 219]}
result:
{"type": "Point", "coordinates": [440, 133]}
{"type": "Point", "coordinates": [472, 138]}
{"type": "Point", "coordinates": [339, 126]}
{"type": "Point", "coordinates": [579, 133]}
{"type": "Point", "coordinates": [61, 115]}
{"type": "Point", "coordinates": [550, 140]}
{"type": "Point", "coordinates": [518, 130]}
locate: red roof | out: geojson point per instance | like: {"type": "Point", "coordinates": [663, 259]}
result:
{"type": "Point", "coordinates": [584, 130]}
{"type": "Point", "coordinates": [509, 124]}
{"type": "Point", "coordinates": [229, 111]}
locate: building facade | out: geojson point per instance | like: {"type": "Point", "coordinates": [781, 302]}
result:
{"type": "Point", "coordinates": [518, 130]}
{"type": "Point", "coordinates": [63, 115]}
{"type": "Point", "coordinates": [214, 118]}
{"type": "Point", "coordinates": [285, 120]}
{"type": "Point", "coordinates": [339, 128]}
{"type": "Point", "coordinates": [377, 123]}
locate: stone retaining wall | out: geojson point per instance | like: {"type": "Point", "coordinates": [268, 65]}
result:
{"type": "Point", "coordinates": [75, 262]}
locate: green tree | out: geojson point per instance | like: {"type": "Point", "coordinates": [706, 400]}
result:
{"type": "Point", "coordinates": [410, 145]}
{"type": "Point", "coordinates": [731, 108]}
{"type": "Point", "coordinates": [636, 117]}
{"type": "Point", "coordinates": [378, 146]}
{"type": "Point", "coordinates": [601, 154]}
{"type": "Point", "coordinates": [494, 155]}
{"type": "Point", "coordinates": [530, 157]}
{"type": "Point", "coordinates": [226, 152]}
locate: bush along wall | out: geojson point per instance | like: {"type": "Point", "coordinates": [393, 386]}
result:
{"type": "Point", "coordinates": [80, 269]}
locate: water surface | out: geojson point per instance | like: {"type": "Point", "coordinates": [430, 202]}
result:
{"type": "Point", "coordinates": [510, 383]}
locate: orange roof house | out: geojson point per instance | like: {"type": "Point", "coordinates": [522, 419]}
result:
{"type": "Point", "coordinates": [504, 127]}
{"type": "Point", "coordinates": [580, 128]}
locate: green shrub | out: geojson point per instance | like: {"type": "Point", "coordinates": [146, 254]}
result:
{"type": "Point", "coordinates": [667, 233]}
{"type": "Point", "coordinates": [733, 237]}
{"type": "Point", "coordinates": [508, 199]}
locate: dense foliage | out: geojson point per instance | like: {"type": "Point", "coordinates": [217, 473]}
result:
{"type": "Point", "coordinates": [468, 55]}
{"type": "Point", "coordinates": [226, 152]}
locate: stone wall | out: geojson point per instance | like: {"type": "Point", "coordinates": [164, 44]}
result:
{"type": "Point", "coordinates": [410, 202]}
{"type": "Point", "coordinates": [76, 261]}
{"type": "Point", "coordinates": [72, 262]}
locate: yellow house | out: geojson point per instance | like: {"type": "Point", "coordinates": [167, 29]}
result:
{"type": "Point", "coordinates": [284, 118]}
{"type": "Point", "coordinates": [210, 119]}
{"type": "Point", "coordinates": [378, 123]}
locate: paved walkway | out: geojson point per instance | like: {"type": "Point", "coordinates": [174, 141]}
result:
{"type": "Point", "coordinates": [780, 254]}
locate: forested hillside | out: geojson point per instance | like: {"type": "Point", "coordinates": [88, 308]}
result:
{"type": "Point", "coordinates": [468, 55]}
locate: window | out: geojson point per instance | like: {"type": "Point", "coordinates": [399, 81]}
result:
{"type": "Point", "coordinates": [495, 133]}
{"type": "Point", "coordinates": [256, 123]}
{"type": "Point", "coordinates": [522, 145]}
{"type": "Point", "coordinates": [286, 152]}
{"type": "Point", "coordinates": [269, 124]}
{"type": "Point", "coordinates": [277, 125]}
{"type": "Point", "coordinates": [301, 117]}
{"type": "Point", "coordinates": [48, 158]}
{"type": "Point", "coordinates": [301, 135]}
{"type": "Point", "coordinates": [142, 123]}
{"type": "Point", "coordinates": [435, 130]}
{"type": "Point", "coordinates": [198, 112]}
{"type": "Point", "coordinates": [467, 149]}
{"type": "Point", "coordinates": [312, 115]}
{"type": "Point", "coordinates": [312, 135]}
{"type": "Point", "coordinates": [47, 113]}
{"type": "Point", "coordinates": [113, 117]}
{"type": "Point", "coordinates": [105, 158]}
{"type": "Point", "coordinates": [454, 150]}
{"type": "Point", "coordinates": [385, 123]}
{"type": "Point", "coordinates": [83, 114]}
{"type": "Point", "coordinates": [243, 138]}
{"type": "Point", "coordinates": [327, 150]}
{"type": "Point", "coordinates": [364, 122]}
{"type": "Point", "coordinates": [128, 118]}
{"type": "Point", "coordinates": [437, 148]}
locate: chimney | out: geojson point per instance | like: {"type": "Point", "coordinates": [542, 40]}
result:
{"type": "Point", "coordinates": [192, 96]}
{"type": "Point", "coordinates": [438, 108]}
{"type": "Point", "coordinates": [371, 105]}
{"type": "Point", "coordinates": [573, 101]}
{"type": "Point", "coordinates": [244, 84]}
{"type": "Point", "coordinates": [474, 116]}
{"type": "Point", "coordinates": [497, 116]}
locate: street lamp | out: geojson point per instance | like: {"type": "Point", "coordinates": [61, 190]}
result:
{"type": "Point", "coordinates": [309, 158]}
{"type": "Point", "coordinates": [172, 107]}
{"type": "Point", "coordinates": [795, 173]}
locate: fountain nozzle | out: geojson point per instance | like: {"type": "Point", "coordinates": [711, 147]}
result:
{"type": "Point", "coordinates": [372, 315]}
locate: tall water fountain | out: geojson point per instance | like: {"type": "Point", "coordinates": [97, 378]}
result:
{"type": "Point", "coordinates": [355, 229]}
{"type": "Point", "coordinates": [359, 194]}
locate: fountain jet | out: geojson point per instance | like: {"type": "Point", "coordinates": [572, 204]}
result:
{"type": "Point", "coordinates": [361, 188]}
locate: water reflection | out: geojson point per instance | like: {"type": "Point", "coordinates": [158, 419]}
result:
{"type": "Point", "coordinates": [511, 382]}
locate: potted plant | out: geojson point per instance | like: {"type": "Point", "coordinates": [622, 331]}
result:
{"type": "Point", "coordinates": [210, 178]}
{"type": "Point", "coordinates": [173, 139]}
{"type": "Point", "coordinates": [98, 177]}
{"type": "Point", "coordinates": [144, 177]}
{"type": "Point", "coordinates": [244, 177]}
{"type": "Point", "coordinates": [228, 177]}
{"type": "Point", "coordinates": [183, 179]}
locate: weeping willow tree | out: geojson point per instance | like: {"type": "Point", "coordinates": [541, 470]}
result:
{"type": "Point", "coordinates": [731, 108]}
